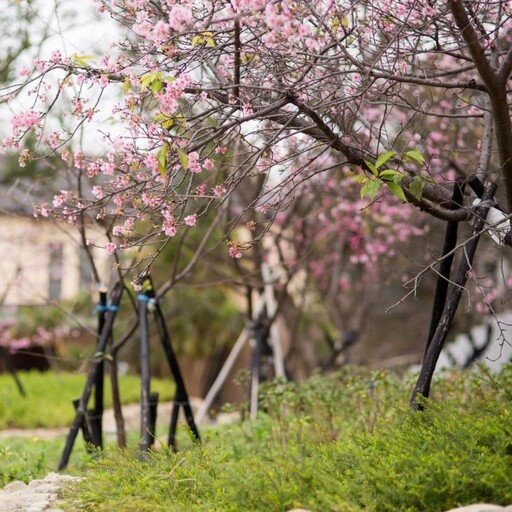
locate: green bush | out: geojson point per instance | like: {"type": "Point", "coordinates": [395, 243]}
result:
{"type": "Point", "coordinates": [339, 444]}
{"type": "Point", "coordinates": [455, 452]}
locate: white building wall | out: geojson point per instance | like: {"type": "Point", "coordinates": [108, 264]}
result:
{"type": "Point", "coordinates": [25, 260]}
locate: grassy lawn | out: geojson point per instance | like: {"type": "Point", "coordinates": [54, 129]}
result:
{"type": "Point", "coordinates": [49, 397]}
{"type": "Point", "coordinates": [48, 404]}
{"type": "Point", "coordinates": [343, 443]}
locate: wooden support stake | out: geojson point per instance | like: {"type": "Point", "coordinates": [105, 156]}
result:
{"type": "Point", "coordinates": [145, 412]}
{"type": "Point", "coordinates": [227, 367]}
{"type": "Point", "coordinates": [181, 397]}
{"type": "Point", "coordinates": [84, 427]}
{"type": "Point", "coordinates": [96, 418]}
{"type": "Point", "coordinates": [153, 406]}
{"type": "Point", "coordinates": [260, 333]}
{"type": "Point", "coordinates": [275, 337]}
{"type": "Point", "coordinates": [91, 376]}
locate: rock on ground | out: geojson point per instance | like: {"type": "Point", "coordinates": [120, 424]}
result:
{"type": "Point", "coordinates": [37, 496]}
{"type": "Point", "coordinates": [477, 507]}
{"type": "Point", "coordinates": [481, 507]}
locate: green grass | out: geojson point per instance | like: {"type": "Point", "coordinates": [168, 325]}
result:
{"type": "Point", "coordinates": [343, 443]}
{"type": "Point", "coordinates": [48, 404]}
{"type": "Point", "coordinates": [28, 458]}
{"type": "Point", "coordinates": [49, 397]}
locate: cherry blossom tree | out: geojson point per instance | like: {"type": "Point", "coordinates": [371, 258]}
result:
{"type": "Point", "coordinates": [217, 98]}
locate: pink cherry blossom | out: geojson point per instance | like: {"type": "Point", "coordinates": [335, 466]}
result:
{"type": "Point", "coordinates": [169, 228]}
{"type": "Point", "coordinates": [111, 247]}
{"type": "Point", "coordinates": [234, 252]}
{"type": "Point", "coordinates": [179, 17]}
{"type": "Point", "coordinates": [98, 192]}
{"type": "Point", "coordinates": [25, 120]}
{"type": "Point", "coordinates": [193, 162]}
{"type": "Point", "coordinates": [190, 220]}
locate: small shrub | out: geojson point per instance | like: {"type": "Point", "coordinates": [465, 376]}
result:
{"type": "Point", "coordinates": [455, 452]}
{"type": "Point", "coordinates": [339, 443]}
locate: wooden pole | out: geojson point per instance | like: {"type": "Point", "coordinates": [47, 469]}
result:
{"type": "Point", "coordinates": [153, 407]}
{"type": "Point", "coordinates": [260, 332]}
{"type": "Point", "coordinates": [275, 337]}
{"type": "Point", "coordinates": [227, 366]}
{"type": "Point", "coordinates": [181, 397]}
{"type": "Point", "coordinates": [222, 376]}
{"type": "Point", "coordinates": [96, 418]}
{"type": "Point", "coordinates": [145, 375]}
{"type": "Point", "coordinates": [91, 376]}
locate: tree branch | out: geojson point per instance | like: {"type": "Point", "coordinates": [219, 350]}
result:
{"type": "Point", "coordinates": [472, 40]}
{"type": "Point", "coordinates": [506, 67]}
{"type": "Point", "coordinates": [237, 63]}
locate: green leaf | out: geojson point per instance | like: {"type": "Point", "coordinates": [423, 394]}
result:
{"type": "Point", "coordinates": [246, 58]}
{"type": "Point", "coordinates": [370, 189]}
{"type": "Point", "coordinates": [180, 118]}
{"type": "Point", "coordinates": [197, 40]}
{"type": "Point", "coordinates": [364, 188]}
{"type": "Point", "coordinates": [205, 37]}
{"type": "Point", "coordinates": [156, 85]}
{"type": "Point", "coordinates": [147, 80]}
{"type": "Point", "coordinates": [82, 60]}
{"type": "Point", "coordinates": [161, 158]}
{"type": "Point", "coordinates": [397, 190]}
{"type": "Point", "coordinates": [165, 121]}
{"type": "Point", "coordinates": [384, 158]}
{"type": "Point", "coordinates": [126, 85]}
{"type": "Point", "coordinates": [391, 175]}
{"type": "Point", "coordinates": [415, 154]}
{"type": "Point", "coordinates": [372, 168]}
{"type": "Point", "coordinates": [373, 188]}
{"type": "Point", "coordinates": [416, 187]}
{"type": "Point", "coordinates": [335, 24]}
{"type": "Point", "coordinates": [146, 285]}
{"type": "Point", "coordinates": [168, 124]}
{"type": "Point", "coordinates": [183, 157]}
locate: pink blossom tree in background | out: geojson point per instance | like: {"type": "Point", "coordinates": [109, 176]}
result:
{"type": "Point", "coordinates": [330, 120]}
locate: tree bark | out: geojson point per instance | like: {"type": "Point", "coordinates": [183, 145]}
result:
{"type": "Point", "coordinates": [423, 384]}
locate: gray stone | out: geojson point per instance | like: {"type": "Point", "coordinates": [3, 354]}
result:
{"type": "Point", "coordinates": [55, 477]}
{"type": "Point", "coordinates": [43, 486]}
{"type": "Point", "coordinates": [477, 507]}
{"type": "Point", "coordinates": [37, 496]}
{"type": "Point", "coordinates": [15, 486]}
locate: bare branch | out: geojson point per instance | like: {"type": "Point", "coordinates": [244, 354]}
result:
{"type": "Point", "coordinates": [475, 48]}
